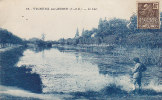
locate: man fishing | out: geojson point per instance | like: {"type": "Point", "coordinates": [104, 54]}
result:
{"type": "Point", "coordinates": [137, 72]}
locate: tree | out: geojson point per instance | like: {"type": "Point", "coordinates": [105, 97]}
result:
{"type": "Point", "coordinates": [111, 27]}
{"type": "Point", "coordinates": [8, 37]}
{"type": "Point", "coordinates": [133, 23]}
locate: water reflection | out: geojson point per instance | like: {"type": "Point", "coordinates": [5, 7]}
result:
{"type": "Point", "coordinates": [66, 72]}
{"type": "Point", "coordinates": [20, 77]}
{"type": "Point", "coordinates": [117, 61]}
{"type": "Point", "coordinates": [38, 49]}
{"type": "Point", "coordinates": [76, 70]}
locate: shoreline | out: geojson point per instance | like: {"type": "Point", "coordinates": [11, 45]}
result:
{"type": "Point", "coordinates": [33, 96]}
{"type": "Point", "coordinates": [9, 48]}
{"type": "Point", "coordinates": [79, 96]}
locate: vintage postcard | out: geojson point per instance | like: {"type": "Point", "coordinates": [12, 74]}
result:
{"type": "Point", "coordinates": [80, 50]}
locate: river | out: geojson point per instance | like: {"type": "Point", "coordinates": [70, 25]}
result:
{"type": "Point", "coordinates": [69, 71]}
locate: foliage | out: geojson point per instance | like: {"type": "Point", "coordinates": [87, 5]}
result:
{"type": "Point", "coordinates": [8, 37]}
{"type": "Point", "coordinates": [118, 31]}
{"type": "Point", "coordinates": [111, 27]}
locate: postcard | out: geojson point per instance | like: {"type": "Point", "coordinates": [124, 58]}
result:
{"type": "Point", "coordinates": [80, 50]}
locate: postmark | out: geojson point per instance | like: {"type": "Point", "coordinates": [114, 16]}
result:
{"type": "Point", "coordinates": [148, 15]}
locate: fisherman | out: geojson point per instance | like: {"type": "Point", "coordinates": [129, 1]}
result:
{"type": "Point", "coordinates": [137, 72]}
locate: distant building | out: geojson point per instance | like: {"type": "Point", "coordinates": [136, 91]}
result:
{"type": "Point", "coordinates": [82, 31]}
{"type": "Point", "coordinates": [94, 34]}
{"type": "Point", "coordinates": [43, 37]}
{"type": "Point", "coordinates": [77, 34]}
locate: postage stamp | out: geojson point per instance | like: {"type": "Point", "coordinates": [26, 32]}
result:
{"type": "Point", "coordinates": [148, 15]}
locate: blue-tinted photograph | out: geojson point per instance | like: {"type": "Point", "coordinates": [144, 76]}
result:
{"type": "Point", "coordinates": [80, 50]}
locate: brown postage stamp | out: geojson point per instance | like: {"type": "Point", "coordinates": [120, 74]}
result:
{"type": "Point", "coordinates": [148, 15]}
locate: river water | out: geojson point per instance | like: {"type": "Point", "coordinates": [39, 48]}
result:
{"type": "Point", "coordinates": [63, 70]}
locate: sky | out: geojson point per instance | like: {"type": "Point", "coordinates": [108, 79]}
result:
{"type": "Point", "coordinates": [55, 24]}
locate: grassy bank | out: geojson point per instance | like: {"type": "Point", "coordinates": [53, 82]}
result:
{"type": "Point", "coordinates": [21, 77]}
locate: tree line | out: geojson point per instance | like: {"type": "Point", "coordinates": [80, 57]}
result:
{"type": "Point", "coordinates": [7, 38]}
{"type": "Point", "coordinates": [117, 31]}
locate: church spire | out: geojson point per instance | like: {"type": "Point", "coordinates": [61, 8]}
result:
{"type": "Point", "coordinates": [77, 33]}
{"type": "Point", "coordinates": [82, 31]}
{"type": "Point", "coordinates": [43, 36]}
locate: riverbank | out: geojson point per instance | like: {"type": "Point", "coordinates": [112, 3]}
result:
{"type": "Point", "coordinates": [102, 48]}
{"type": "Point", "coordinates": [13, 93]}
{"type": "Point", "coordinates": [24, 95]}
{"type": "Point", "coordinates": [58, 73]}
{"type": "Point", "coordinates": [9, 48]}
{"type": "Point", "coordinates": [9, 97]}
